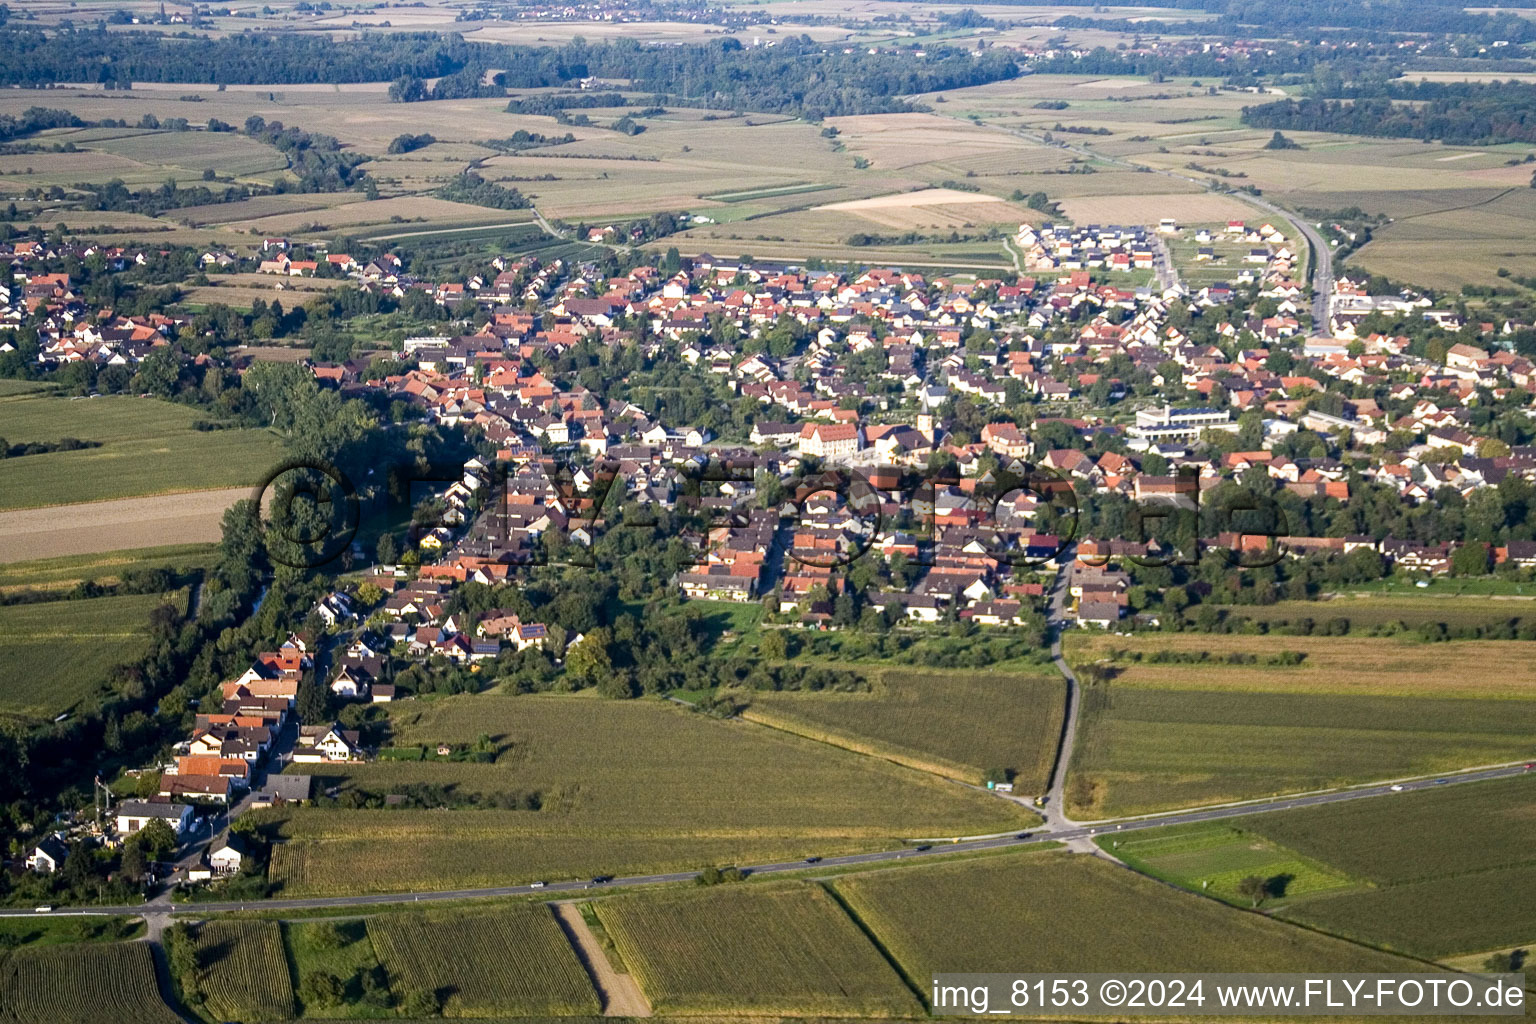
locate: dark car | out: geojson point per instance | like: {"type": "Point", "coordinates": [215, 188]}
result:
{"type": "Point", "coordinates": [1022, 835]}
{"type": "Point", "coordinates": [813, 860]}
{"type": "Point", "coordinates": [925, 846]}
{"type": "Point", "coordinates": [600, 879]}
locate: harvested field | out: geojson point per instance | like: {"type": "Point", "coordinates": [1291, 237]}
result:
{"type": "Point", "coordinates": [906, 200]}
{"type": "Point", "coordinates": [513, 961]}
{"type": "Point", "coordinates": [1149, 209]}
{"type": "Point", "coordinates": [127, 523]}
{"type": "Point", "coordinates": [787, 950]}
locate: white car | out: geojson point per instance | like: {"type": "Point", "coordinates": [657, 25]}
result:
{"type": "Point", "coordinates": [1397, 789]}
{"type": "Point", "coordinates": [44, 909]}
{"type": "Point", "coordinates": [535, 885]}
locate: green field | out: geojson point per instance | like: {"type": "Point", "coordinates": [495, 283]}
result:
{"type": "Point", "coordinates": [1211, 858]}
{"type": "Point", "coordinates": [243, 970]}
{"type": "Point", "coordinates": [1366, 613]}
{"type": "Point", "coordinates": [956, 724]}
{"type": "Point", "coordinates": [59, 652]}
{"type": "Point", "coordinates": [85, 984]}
{"type": "Point", "coordinates": [787, 949]}
{"type": "Point", "coordinates": [1056, 911]}
{"type": "Point", "coordinates": [342, 950]}
{"type": "Point", "coordinates": [625, 786]}
{"type": "Point", "coordinates": [1141, 749]}
{"type": "Point", "coordinates": [1431, 872]}
{"type": "Point", "coordinates": [513, 961]}
{"type": "Point", "coordinates": [1454, 869]}
{"type": "Point", "coordinates": [104, 567]}
{"type": "Point", "coordinates": [147, 447]}
{"type": "Point", "coordinates": [1470, 913]}
{"type": "Point", "coordinates": [53, 931]}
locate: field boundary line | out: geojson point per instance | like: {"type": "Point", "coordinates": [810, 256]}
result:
{"type": "Point", "coordinates": [1269, 801]}
{"type": "Point", "coordinates": [620, 994]}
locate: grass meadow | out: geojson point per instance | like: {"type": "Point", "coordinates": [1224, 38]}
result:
{"type": "Point", "coordinates": [342, 949]}
{"type": "Point", "coordinates": [956, 724]}
{"type": "Point", "coordinates": [104, 568]}
{"type": "Point", "coordinates": [146, 447]}
{"type": "Point", "coordinates": [59, 653]}
{"type": "Point", "coordinates": [783, 950]}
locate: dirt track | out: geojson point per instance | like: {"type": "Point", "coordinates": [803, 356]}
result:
{"type": "Point", "coordinates": [188, 518]}
{"type": "Point", "coordinates": [620, 993]}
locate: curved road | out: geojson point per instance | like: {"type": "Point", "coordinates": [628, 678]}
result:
{"type": "Point", "coordinates": [1322, 256]}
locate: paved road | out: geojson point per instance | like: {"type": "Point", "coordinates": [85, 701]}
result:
{"type": "Point", "coordinates": [1080, 830]}
{"type": "Point", "coordinates": [1322, 256]}
{"type": "Point", "coordinates": [1055, 809]}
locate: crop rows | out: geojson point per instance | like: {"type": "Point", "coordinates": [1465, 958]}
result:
{"type": "Point", "coordinates": [1059, 912]}
{"type": "Point", "coordinates": [789, 950]}
{"type": "Point", "coordinates": [85, 984]}
{"type": "Point", "coordinates": [514, 960]}
{"type": "Point", "coordinates": [243, 970]}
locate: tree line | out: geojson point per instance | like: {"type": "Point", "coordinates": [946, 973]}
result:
{"type": "Point", "coordinates": [1461, 113]}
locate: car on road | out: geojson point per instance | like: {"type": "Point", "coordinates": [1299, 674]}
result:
{"type": "Point", "coordinates": [813, 860]}
{"type": "Point", "coordinates": [1441, 782]}
{"type": "Point", "coordinates": [535, 885]}
{"type": "Point", "coordinates": [601, 879]}
{"type": "Point", "coordinates": [1022, 835]}
{"type": "Point", "coordinates": [44, 909]}
{"type": "Point", "coordinates": [1530, 765]}
{"type": "Point", "coordinates": [1397, 788]}
{"type": "Point", "coordinates": [925, 846]}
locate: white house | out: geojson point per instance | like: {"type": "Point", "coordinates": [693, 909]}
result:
{"type": "Point", "coordinates": [133, 815]}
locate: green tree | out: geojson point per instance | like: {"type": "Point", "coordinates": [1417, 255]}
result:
{"type": "Point", "coordinates": [1253, 888]}
{"type": "Point", "coordinates": [1470, 559]}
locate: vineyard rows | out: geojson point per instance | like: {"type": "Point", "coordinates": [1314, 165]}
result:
{"type": "Point", "coordinates": [84, 984]}
{"type": "Point", "coordinates": [510, 961]}
{"type": "Point", "coordinates": [789, 950]}
{"type": "Point", "coordinates": [243, 970]}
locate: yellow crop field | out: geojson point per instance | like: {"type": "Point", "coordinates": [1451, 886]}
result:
{"type": "Point", "coordinates": [243, 970]}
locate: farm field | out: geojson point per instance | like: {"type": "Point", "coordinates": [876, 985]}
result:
{"type": "Point", "coordinates": [1432, 873]}
{"type": "Point", "coordinates": [1057, 911]}
{"type": "Point", "coordinates": [147, 447]}
{"type": "Point", "coordinates": [1142, 749]}
{"type": "Point", "coordinates": [514, 961]}
{"type": "Point", "coordinates": [243, 970]}
{"type": "Point", "coordinates": [1212, 858]}
{"type": "Point", "coordinates": [104, 568]}
{"type": "Point", "coordinates": [1162, 735]}
{"type": "Point", "coordinates": [1401, 666]}
{"type": "Point", "coordinates": [82, 984]}
{"type": "Point", "coordinates": [344, 951]}
{"type": "Point", "coordinates": [788, 949]}
{"type": "Point", "coordinates": [679, 778]}
{"type": "Point", "coordinates": [87, 529]}
{"type": "Point", "coordinates": [59, 653]}
{"type": "Point", "coordinates": [1449, 872]}
{"type": "Point", "coordinates": [960, 725]}
{"type": "Point", "coordinates": [1371, 611]}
